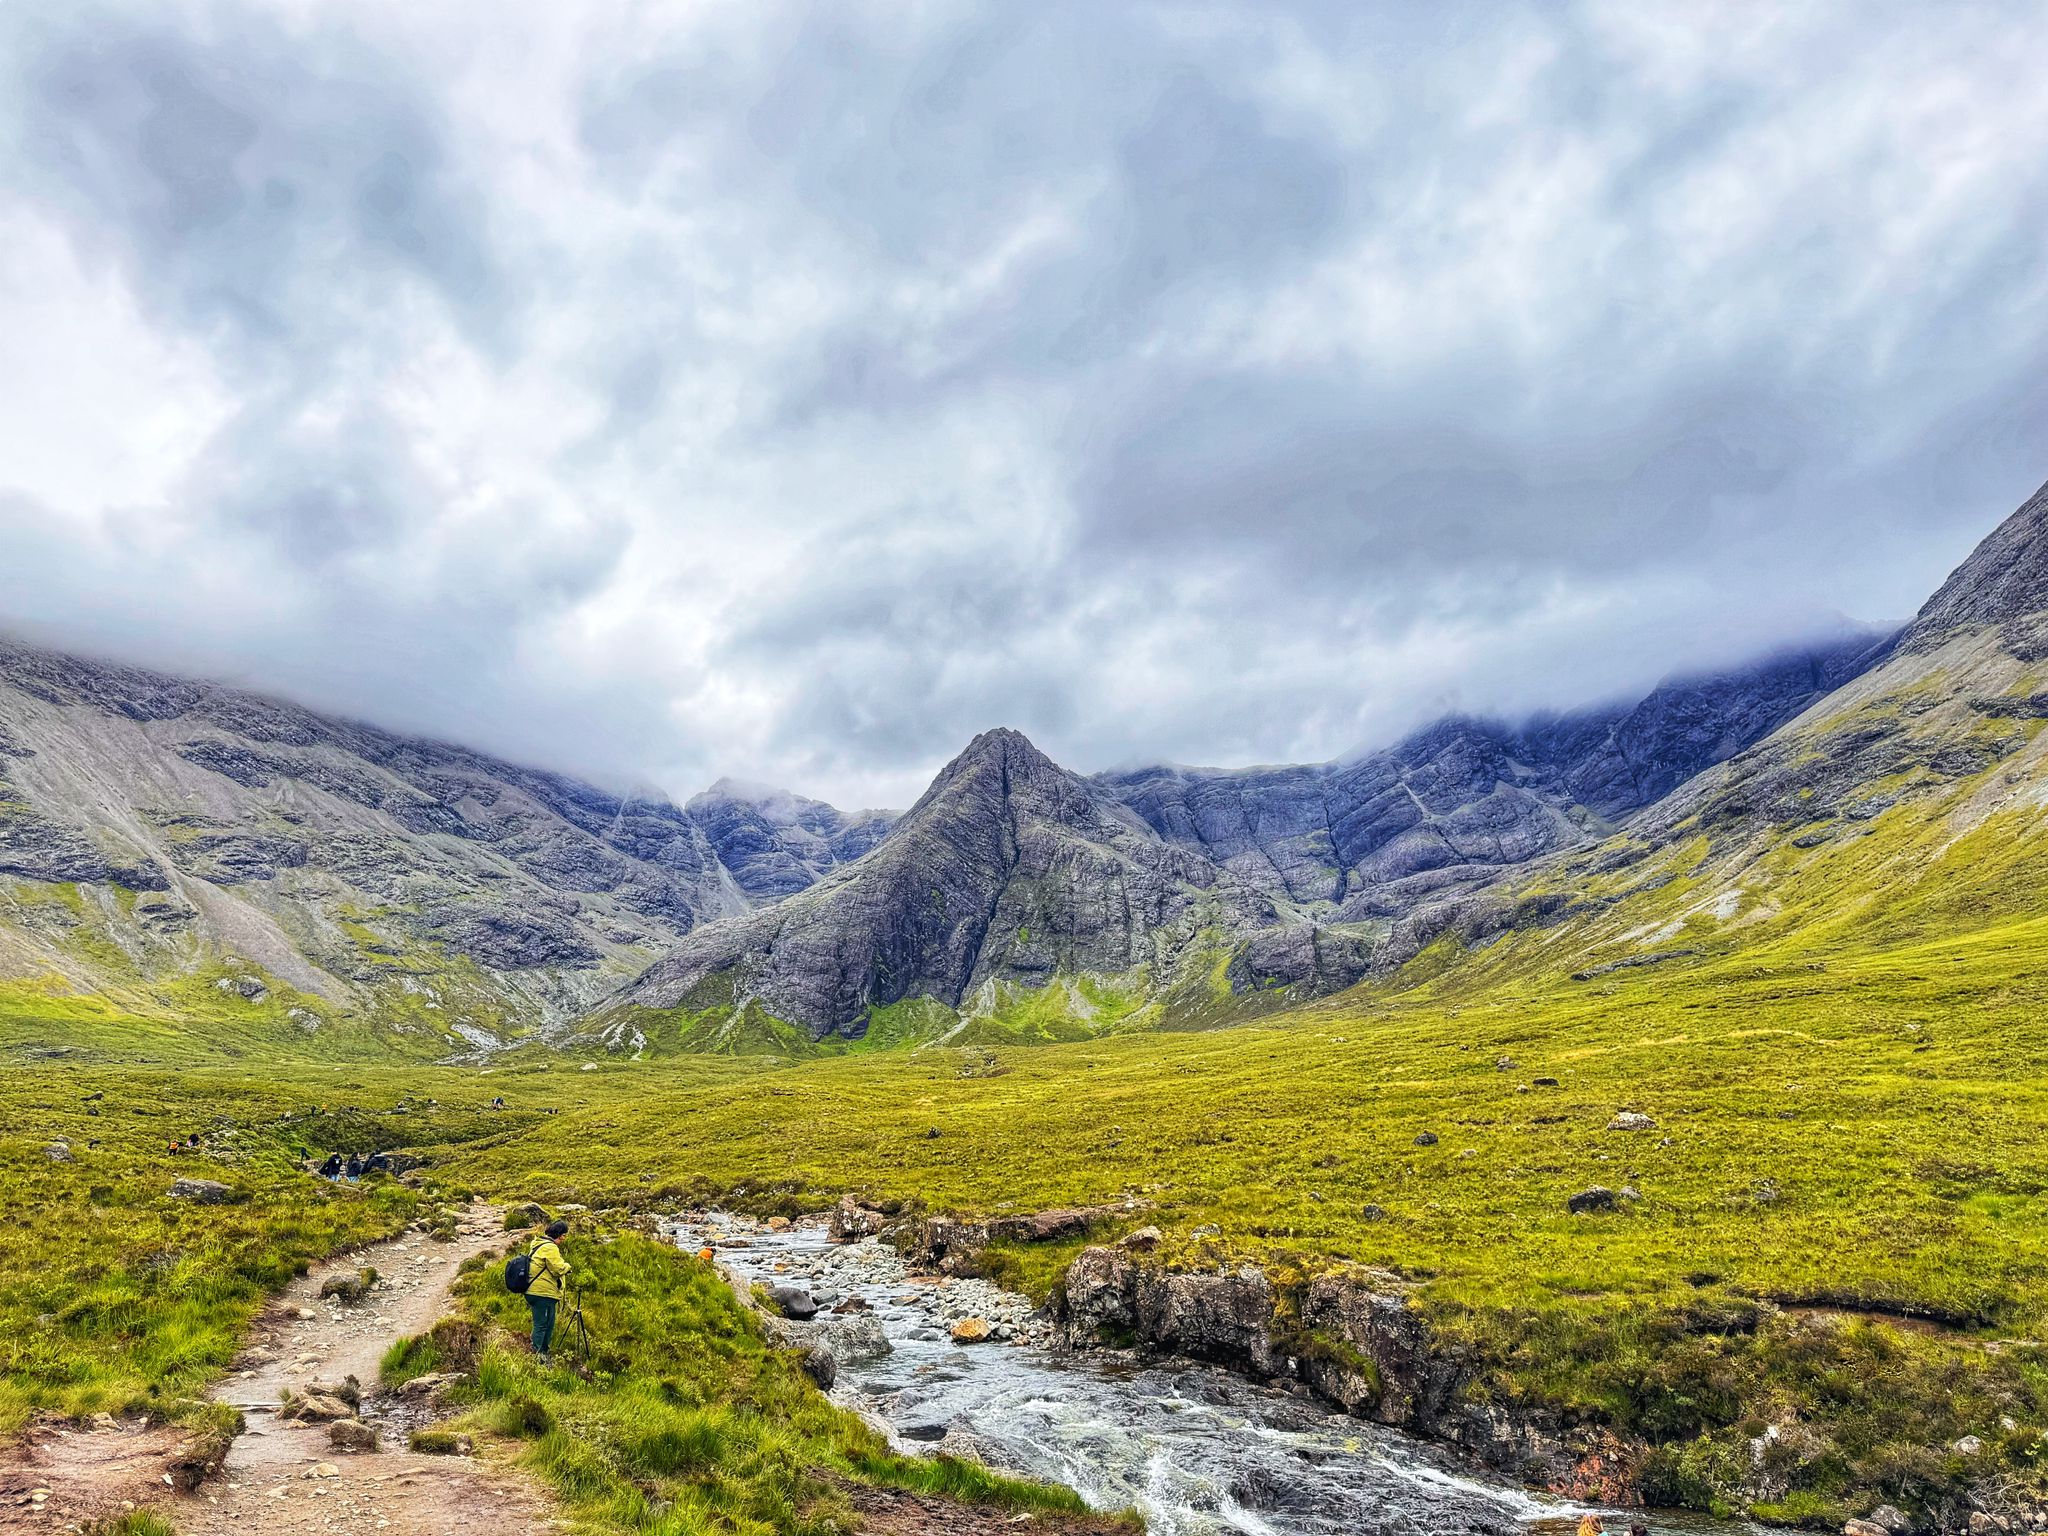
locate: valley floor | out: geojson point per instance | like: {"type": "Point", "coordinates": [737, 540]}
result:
{"type": "Point", "coordinates": [1834, 1218]}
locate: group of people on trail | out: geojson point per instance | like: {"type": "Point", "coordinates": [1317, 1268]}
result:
{"type": "Point", "coordinates": [355, 1166]}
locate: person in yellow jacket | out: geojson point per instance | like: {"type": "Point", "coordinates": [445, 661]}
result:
{"type": "Point", "coordinates": [544, 1290]}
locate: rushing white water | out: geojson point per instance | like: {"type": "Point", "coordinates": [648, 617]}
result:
{"type": "Point", "coordinates": [1196, 1450]}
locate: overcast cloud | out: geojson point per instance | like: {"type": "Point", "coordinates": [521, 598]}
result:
{"type": "Point", "coordinates": [663, 391]}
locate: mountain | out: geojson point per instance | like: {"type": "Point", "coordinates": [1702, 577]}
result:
{"type": "Point", "coordinates": [1903, 806]}
{"type": "Point", "coordinates": [1011, 885]}
{"type": "Point", "coordinates": [1453, 804]}
{"type": "Point", "coordinates": [188, 848]}
{"type": "Point", "coordinates": [775, 843]}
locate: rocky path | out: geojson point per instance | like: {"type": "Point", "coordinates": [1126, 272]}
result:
{"type": "Point", "coordinates": [282, 1477]}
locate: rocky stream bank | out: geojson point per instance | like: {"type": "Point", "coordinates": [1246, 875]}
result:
{"type": "Point", "coordinates": [1348, 1339]}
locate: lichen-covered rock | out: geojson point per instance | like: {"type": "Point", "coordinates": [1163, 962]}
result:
{"type": "Point", "coordinates": [203, 1191]}
{"type": "Point", "coordinates": [851, 1221]}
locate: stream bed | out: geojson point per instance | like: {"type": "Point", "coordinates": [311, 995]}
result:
{"type": "Point", "coordinates": [1195, 1449]}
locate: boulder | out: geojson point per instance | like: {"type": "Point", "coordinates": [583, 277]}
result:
{"type": "Point", "coordinates": [315, 1406]}
{"type": "Point", "coordinates": [851, 1221]}
{"type": "Point", "coordinates": [441, 1442]}
{"type": "Point", "coordinates": [970, 1330]}
{"type": "Point", "coordinates": [1224, 1316]}
{"type": "Point", "coordinates": [794, 1302]}
{"type": "Point", "coordinates": [1597, 1199]}
{"type": "Point", "coordinates": [520, 1217]}
{"type": "Point", "coordinates": [348, 1288]}
{"type": "Point", "coordinates": [1544, 1082]}
{"type": "Point", "coordinates": [821, 1366]}
{"type": "Point", "coordinates": [1144, 1240]}
{"type": "Point", "coordinates": [1372, 1212]}
{"type": "Point", "coordinates": [202, 1192]}
{"type": "Point", "coordinates": [1969, 1445]}
{"type": "Point", "coordinates": [857, 1337]}
{"type": "Point", "coordinates": [850, 1304]}
{"type": "Point", "coordinates": [1425, 1139]}
{"type": "Point", "coordinates": [351, 1435]}
{"type": "Point", "coordinates": [1380, 1366]}
{"type": "Point", "coordinates": [778, 1223]}
{"type": "Point", "coordinates": [1631, 1120]}
{"type": "Point", "coordinates": [59, 1152]}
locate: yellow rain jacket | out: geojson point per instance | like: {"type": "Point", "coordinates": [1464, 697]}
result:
{"type": "Point", "coordinates": [550, 1270]}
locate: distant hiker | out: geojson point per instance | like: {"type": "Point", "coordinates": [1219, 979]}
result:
{"type": "Point", "coordinates": [544, 1291]}
{"type": "Point", "coordinates": [1637, 1528]}
{"type": "Point", "coordinates": [705, 1253]}
{"type": "Point", "coordinates": [498, 1102]}
{"type": "Point", "coordinates": [380, 1162]}
{"type": "Point", "coordinates": [331, 1169]}
{"type": "Point", "coordinates": [354, 1168]}
{"type": "Point", "coordinates": [1589, 1525]}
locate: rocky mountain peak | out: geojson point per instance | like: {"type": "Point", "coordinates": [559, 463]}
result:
{"type": "Point", "coordinates": [2005, 577]}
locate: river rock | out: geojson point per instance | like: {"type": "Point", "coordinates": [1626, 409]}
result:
{"type": "Point", "coordinates": [794, 1302]}
{"type": "Point", "coordinates": [970, 1330]}
{"type": "Point", "coordinates": [851, 1221]}
{"type": "Point", "coordinates": [1225, 1316]}
{"type": "Point", "coordinates": [1382, 1366]}
{"type": "Point", "coordinates": [858, 1336]}
{"type": "Point", "coordinates": [202, 1191]}
{"type": "Point", "coordinates": [351, 1435]}
{"type": "Point", "coordinates": [821, 1366]}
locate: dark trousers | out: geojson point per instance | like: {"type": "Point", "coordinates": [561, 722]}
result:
{"type": "Point", "coordinates": [543, 1308]}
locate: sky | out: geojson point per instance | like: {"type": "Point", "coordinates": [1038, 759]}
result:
{"type": "Point", "coordinates": [662, 391]}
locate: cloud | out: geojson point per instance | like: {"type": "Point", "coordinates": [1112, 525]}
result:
{"type": "Point", "coordinates": [791, 391]}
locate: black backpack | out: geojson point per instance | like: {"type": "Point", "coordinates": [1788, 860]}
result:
{"type": "Point", "coordinates": [519, 1272]}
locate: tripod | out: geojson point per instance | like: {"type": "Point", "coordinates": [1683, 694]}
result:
{"type": "Point", "coordinates": [579, 1332]}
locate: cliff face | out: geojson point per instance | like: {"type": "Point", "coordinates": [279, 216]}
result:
{"type": "Point", "coordinates": [1455, 803]}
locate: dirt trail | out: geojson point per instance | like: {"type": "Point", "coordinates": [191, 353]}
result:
{"type": "Point", "coordinates": [265, 1488]}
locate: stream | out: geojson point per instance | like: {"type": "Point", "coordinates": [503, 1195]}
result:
{"type": "Point", "coordinates": [1196, 1450]}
